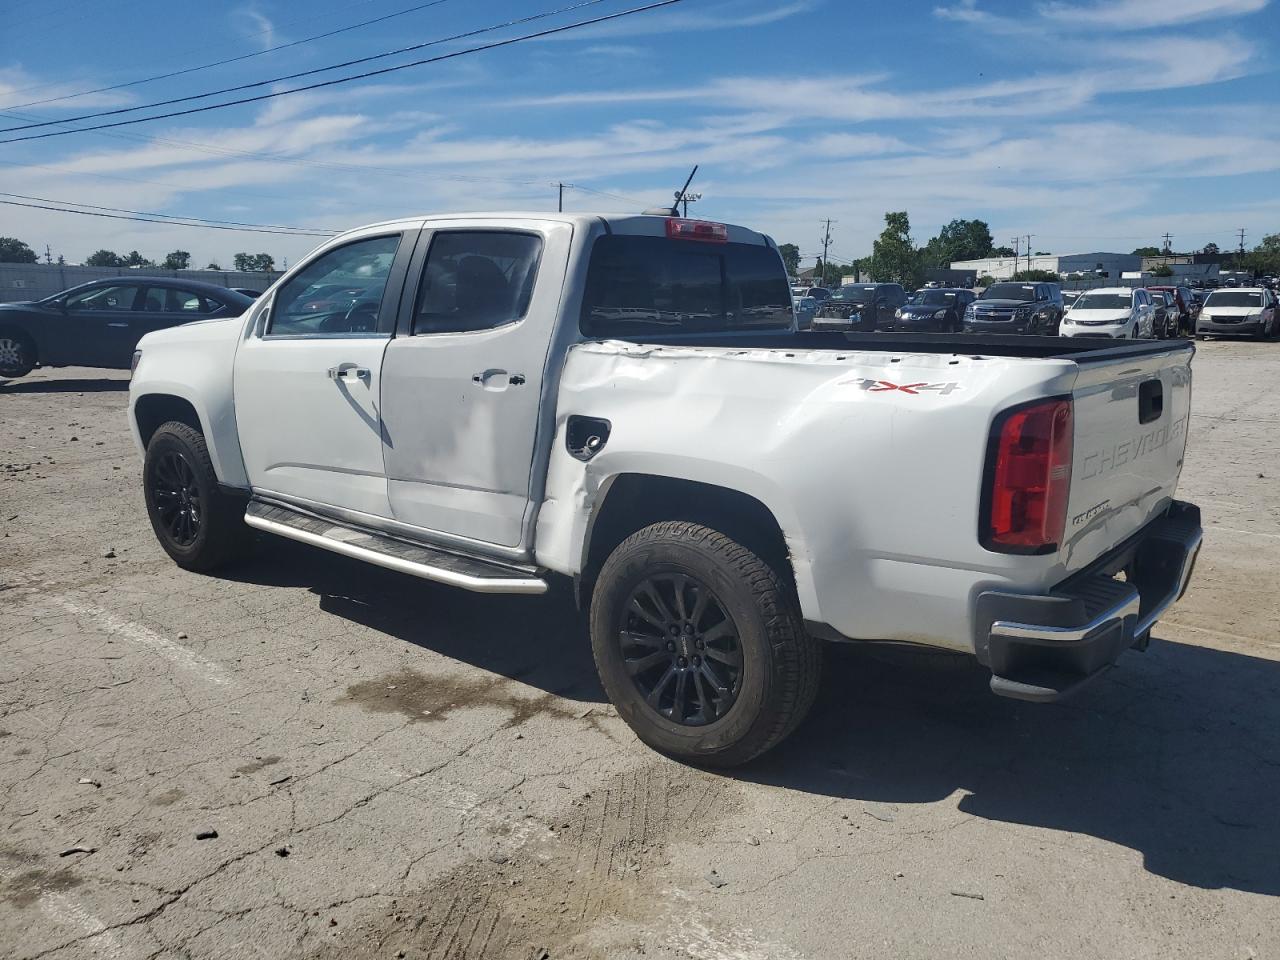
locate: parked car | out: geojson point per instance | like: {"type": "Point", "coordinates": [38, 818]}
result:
{"type": "Point", "coordinates": [505, 427]}
{"type": "Point", "coordinates": [1115, 312]}
{"type": "Point", "coordinates": [1015, 307]}
{"type": "Point", "coordinates": [1165, 319]}
{"type": "Point", "coordinates": [1069, 297]}
{"type": "Point", "coordinates": [1239, 311]}
{"type": "Point", "coordinates": [1186, 307]}
{"type": "Point", "coordinates": [818, 293]}
{"type": "Point", "coordinates": [99, 323]}
{"type": "Point", "coordinates": [860, 306]}
{"type": "Point", "coordinates": [937, 309]}
{"type": "Point", "coordinates": [806, 307]}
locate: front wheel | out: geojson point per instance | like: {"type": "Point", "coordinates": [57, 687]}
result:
{"type": "Point", "coordinates": [197, 524]}
{"type": "Point", "coordinates": [699, 645]}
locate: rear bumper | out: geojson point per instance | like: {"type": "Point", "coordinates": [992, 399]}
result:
{"type": "Point", "coordinates": [1043, 648]}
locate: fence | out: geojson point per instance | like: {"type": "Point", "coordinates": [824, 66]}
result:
{"type": "Point", "coordinates": [34, 281]}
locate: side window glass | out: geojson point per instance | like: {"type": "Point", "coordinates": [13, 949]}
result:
{"type": "Point", "coordinates": [476, 280]}
{"type": "Point", "coordinates": [107, 299]}
{"type": "Point", "coordinates": [153, 302]}
{"type": "Point", "coordinates": [338, 293]}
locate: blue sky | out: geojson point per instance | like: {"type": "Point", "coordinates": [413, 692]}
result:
{"type": "Point", "coordinates": [1092, 125]}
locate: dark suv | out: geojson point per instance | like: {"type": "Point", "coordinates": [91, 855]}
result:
{"type": "Point", "coordinates": [860, 306]}
{"type": "Point", "coordinates": [1016, 307]}
{"type": "Point", "coordinates": [934, 309]}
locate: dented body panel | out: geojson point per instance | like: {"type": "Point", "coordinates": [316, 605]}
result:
{"type": "Point", "coordinates": [872, 463]}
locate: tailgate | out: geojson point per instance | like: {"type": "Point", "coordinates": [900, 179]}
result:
{"type": "Point", "coordinates": [1131, 416]}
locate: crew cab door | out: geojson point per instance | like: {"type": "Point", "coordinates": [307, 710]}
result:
{"type": "Point", "coordinates": [462, 380]}
{"type": "Point", "coordinates": [308, 375]}
{"type": "Point", "coordinates": [94, 326]}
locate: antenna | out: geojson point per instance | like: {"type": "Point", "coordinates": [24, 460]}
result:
{"type": "Point", "coordinates": [682, 195]}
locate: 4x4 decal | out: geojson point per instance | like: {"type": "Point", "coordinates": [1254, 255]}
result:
{"type": "Point", "coordinates": [886, 386]}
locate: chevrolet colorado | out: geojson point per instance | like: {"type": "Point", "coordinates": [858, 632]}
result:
{"type": "Point", "coordinates": [623, 404]}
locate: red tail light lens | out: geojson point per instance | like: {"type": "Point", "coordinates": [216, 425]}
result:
{"type": "Point", "coordinates": [697, 230]}
{"type": "Point", "coordinates": [1029, 477]}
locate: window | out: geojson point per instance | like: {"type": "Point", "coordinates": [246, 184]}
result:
{"type": "Point", "coordinates": [476, 280]}
{"type": "Point", "coordinates": [1232, 298]}
{"type": "Point", "coordinates": [170, 300]}
{"type": "Point", "coordinates": [113, 298]}
{"type": "Point", "coordinates": [338, 293]}
{"type": "Point", "coordinates": [639, 285]}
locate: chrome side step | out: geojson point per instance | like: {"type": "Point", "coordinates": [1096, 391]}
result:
{"type": "Point", "coordinates": [481, 576]}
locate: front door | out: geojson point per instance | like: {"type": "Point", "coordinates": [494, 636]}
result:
{"type": "Point", "coordinates": [462, 379]}
{"type": "Point", "coordinates": [94, 326]}
{"type": "Point", "coordinates": [308, 375]}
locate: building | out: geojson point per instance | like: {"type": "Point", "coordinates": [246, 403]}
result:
{"type": "Point", "coordinates": [1096, 265]}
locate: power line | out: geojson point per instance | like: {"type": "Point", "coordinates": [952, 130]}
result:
{"type": "Point", "coordinates": [167, 222]}
{"type": "Point", "coordinates": [145, 213]}
{"type": "Point", "coordinates": [305, 73]}
{"type": "Point", "coordinates": [220, 63]}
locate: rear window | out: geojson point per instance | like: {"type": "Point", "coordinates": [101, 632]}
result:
{"type": "Point", "coordinates": [638, 285]}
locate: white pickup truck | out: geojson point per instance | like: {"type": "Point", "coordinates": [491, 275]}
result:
{"type": "Point", "coordinates": [622, 403]}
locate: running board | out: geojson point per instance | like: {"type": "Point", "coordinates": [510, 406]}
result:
{"type": "Point", "coordinates": [482, 576]}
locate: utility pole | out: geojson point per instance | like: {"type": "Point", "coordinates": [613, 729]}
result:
{"type": "Point", "coordinates": [826, 245]}
{"type": "Point", "coordinates": [1029, 236]}
{"type": "Point", "coordinates": [560, 205]}
{"type": "Point", "coordinates": [1016, 242]}
{"type": "Point", "coordinates": [1241, 232]}
{"type": "Point", "coordinates": [1168, 248]}
{"type": "Point", "coordinates": [48, 254]}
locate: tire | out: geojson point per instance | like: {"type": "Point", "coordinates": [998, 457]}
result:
{"type": "Point", "coordinates": [197, 524]}
{"type": "Point", "coordinates": [778, 663]}
{"type": "Point", "coordinates": [17, 355]}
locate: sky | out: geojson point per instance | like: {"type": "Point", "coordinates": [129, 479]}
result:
{"type": "Point", "coordinates": [1093, 125]}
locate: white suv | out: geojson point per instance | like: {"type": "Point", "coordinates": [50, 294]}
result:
{"type": "Point", "coordinates": [1115, 312]}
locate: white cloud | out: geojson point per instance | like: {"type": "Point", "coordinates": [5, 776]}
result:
{"type": "Point", "coordinates": [1145, 14]}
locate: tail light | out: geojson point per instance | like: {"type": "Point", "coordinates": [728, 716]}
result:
{"type": "Point", "coordinates": [697, 230]}
{"type": "Point", "coordinates": [1028, 478]}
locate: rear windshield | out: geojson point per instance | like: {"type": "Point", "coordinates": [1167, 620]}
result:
{"type": "Point", "coordinates": [652, 284]}
{"type": "Point", "coordinates": [1104, 301]}
{"type": "Point", "coordinates": [1009, 291]}
{"type": "Point", "coordinates": [1233, 298]}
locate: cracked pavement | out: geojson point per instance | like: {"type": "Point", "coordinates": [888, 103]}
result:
{"type": "Point", "coordinates": [394, 768]}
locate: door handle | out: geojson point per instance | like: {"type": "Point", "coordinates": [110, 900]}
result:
{"type": "Point", "coordinates": [349, 373]}
{"type": "Point", "coordinates": [117, 324]}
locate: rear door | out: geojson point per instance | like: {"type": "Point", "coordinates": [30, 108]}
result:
{"type": "Point", "coordinates": [1131, 416]}
{"type": "Point", "coordinates": [308, 376]}
{"type": "Point", "coordinates": [463, 379]}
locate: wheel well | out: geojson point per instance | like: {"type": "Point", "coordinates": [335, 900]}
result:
{"type": "Point", "coordinates": [8, 330]}
{"type": "Point", "coordinates": [634, 501]}
{"type": "Point", "coordinates": [154, 409]}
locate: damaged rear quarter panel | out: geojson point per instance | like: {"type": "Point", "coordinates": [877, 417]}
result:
{"type": "Point", "coordinates": [875, 488]}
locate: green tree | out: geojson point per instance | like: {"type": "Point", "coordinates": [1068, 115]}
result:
{"type": "Point", "coordinates": [958, 240]}
{"type": "Point", "coordinates": [13, 250]}
{"type": "Point", "coordinates": [1210, 248]}
{"type": "Point", "coordinates": [1164, 270]}
{"type": "Point", "coordinates": [1002, 252]}
{"type": "Point", "coordinates": [104, 258]}
{"type": "Point", "coordinates": [894, 257]}
{"type": "Point", "coordinates": [1037, 276]}
{"type": "Point", "coordinates": [790, 254]}
{"type": "Point", "coordinates": [263, 263]}
{"type": "Point", "coordinates": [986, 279]}
{"type": "Point", "coordinates": [213, 266]}
{"type": "Point", "coordinates": [134, 259]}
{"type": "Point", "coordinates": [177, 260]}
{"type": "Point", "coordinates": [241, 262]}
{"type": "Point", "coordinates": [1265, 257]}
{"type": "Point", "coordinates": [1147, 252]}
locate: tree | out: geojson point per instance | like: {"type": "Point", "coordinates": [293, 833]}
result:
{"type": "Point", "coordinates": [1163, 270]}
{"type": "Point", "coordinates": [213, 266]}
{"type": "Point", "coordinates": [958, 240]}
{"type": "Point", "coordinates": [254, 262]}
{"type": "Point", "coordinates": [894, 257]}
{"type": "Point", "coordinates": [790, 254]}
{"type": "Point", "coordinates": [135, 259]}
{"type": "Point", "coordinates": [13, 250]}
{"type": "Point", "coordinates": [1147, 252]}
{"type": "Point", "coordinates": [177, 260]}
{"type": "Point", "coordinates": [1002, 252]}
{"type": "Point", "coordinates": [986, 279]}
{"type": "Point", "coordinates": [1037, 276]}
{"type": "Point", "coordinates": [1210, 249]}
{"type": "Point", "coordinates": [104, 258]}
{"type": "Point", "coordinates": [1265, 257]}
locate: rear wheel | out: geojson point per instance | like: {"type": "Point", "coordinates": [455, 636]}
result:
{"type": "Point", "coordinates": [17, 354]}
{"type": "Point", "coordinates": [699, 645]}
{"type": "Point", "coordinates": [199, 525]}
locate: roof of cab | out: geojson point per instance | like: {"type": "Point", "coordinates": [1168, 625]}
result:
{"type": "Point", "coordinates": [624, 223]}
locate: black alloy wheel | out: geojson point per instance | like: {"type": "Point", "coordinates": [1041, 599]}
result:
{"type": "Point", "coordinates": [681, 649]}
{"type": "Point", "coordinates": [176, 496]}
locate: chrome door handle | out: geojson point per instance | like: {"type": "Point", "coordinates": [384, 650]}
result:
{"type": "Point", "coordinates": [349, 373]}
{"type": "Point", "coordinates": [117, 324]}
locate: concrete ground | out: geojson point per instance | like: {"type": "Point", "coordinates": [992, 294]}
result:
{"type": "Point", "coordinates": [397, 769]}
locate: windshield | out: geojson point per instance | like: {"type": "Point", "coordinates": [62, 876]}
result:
{"type": "Point", "coordinates": [1010, 291]}
{"type": "Point", "coordinates": [932, 298]}
{"type": "Point", "coordinates": [1233, 298]}
{"type": "Point", "coordinates": [1103, 301]}
{"type": "Point", "coordinates": [854, 292]}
